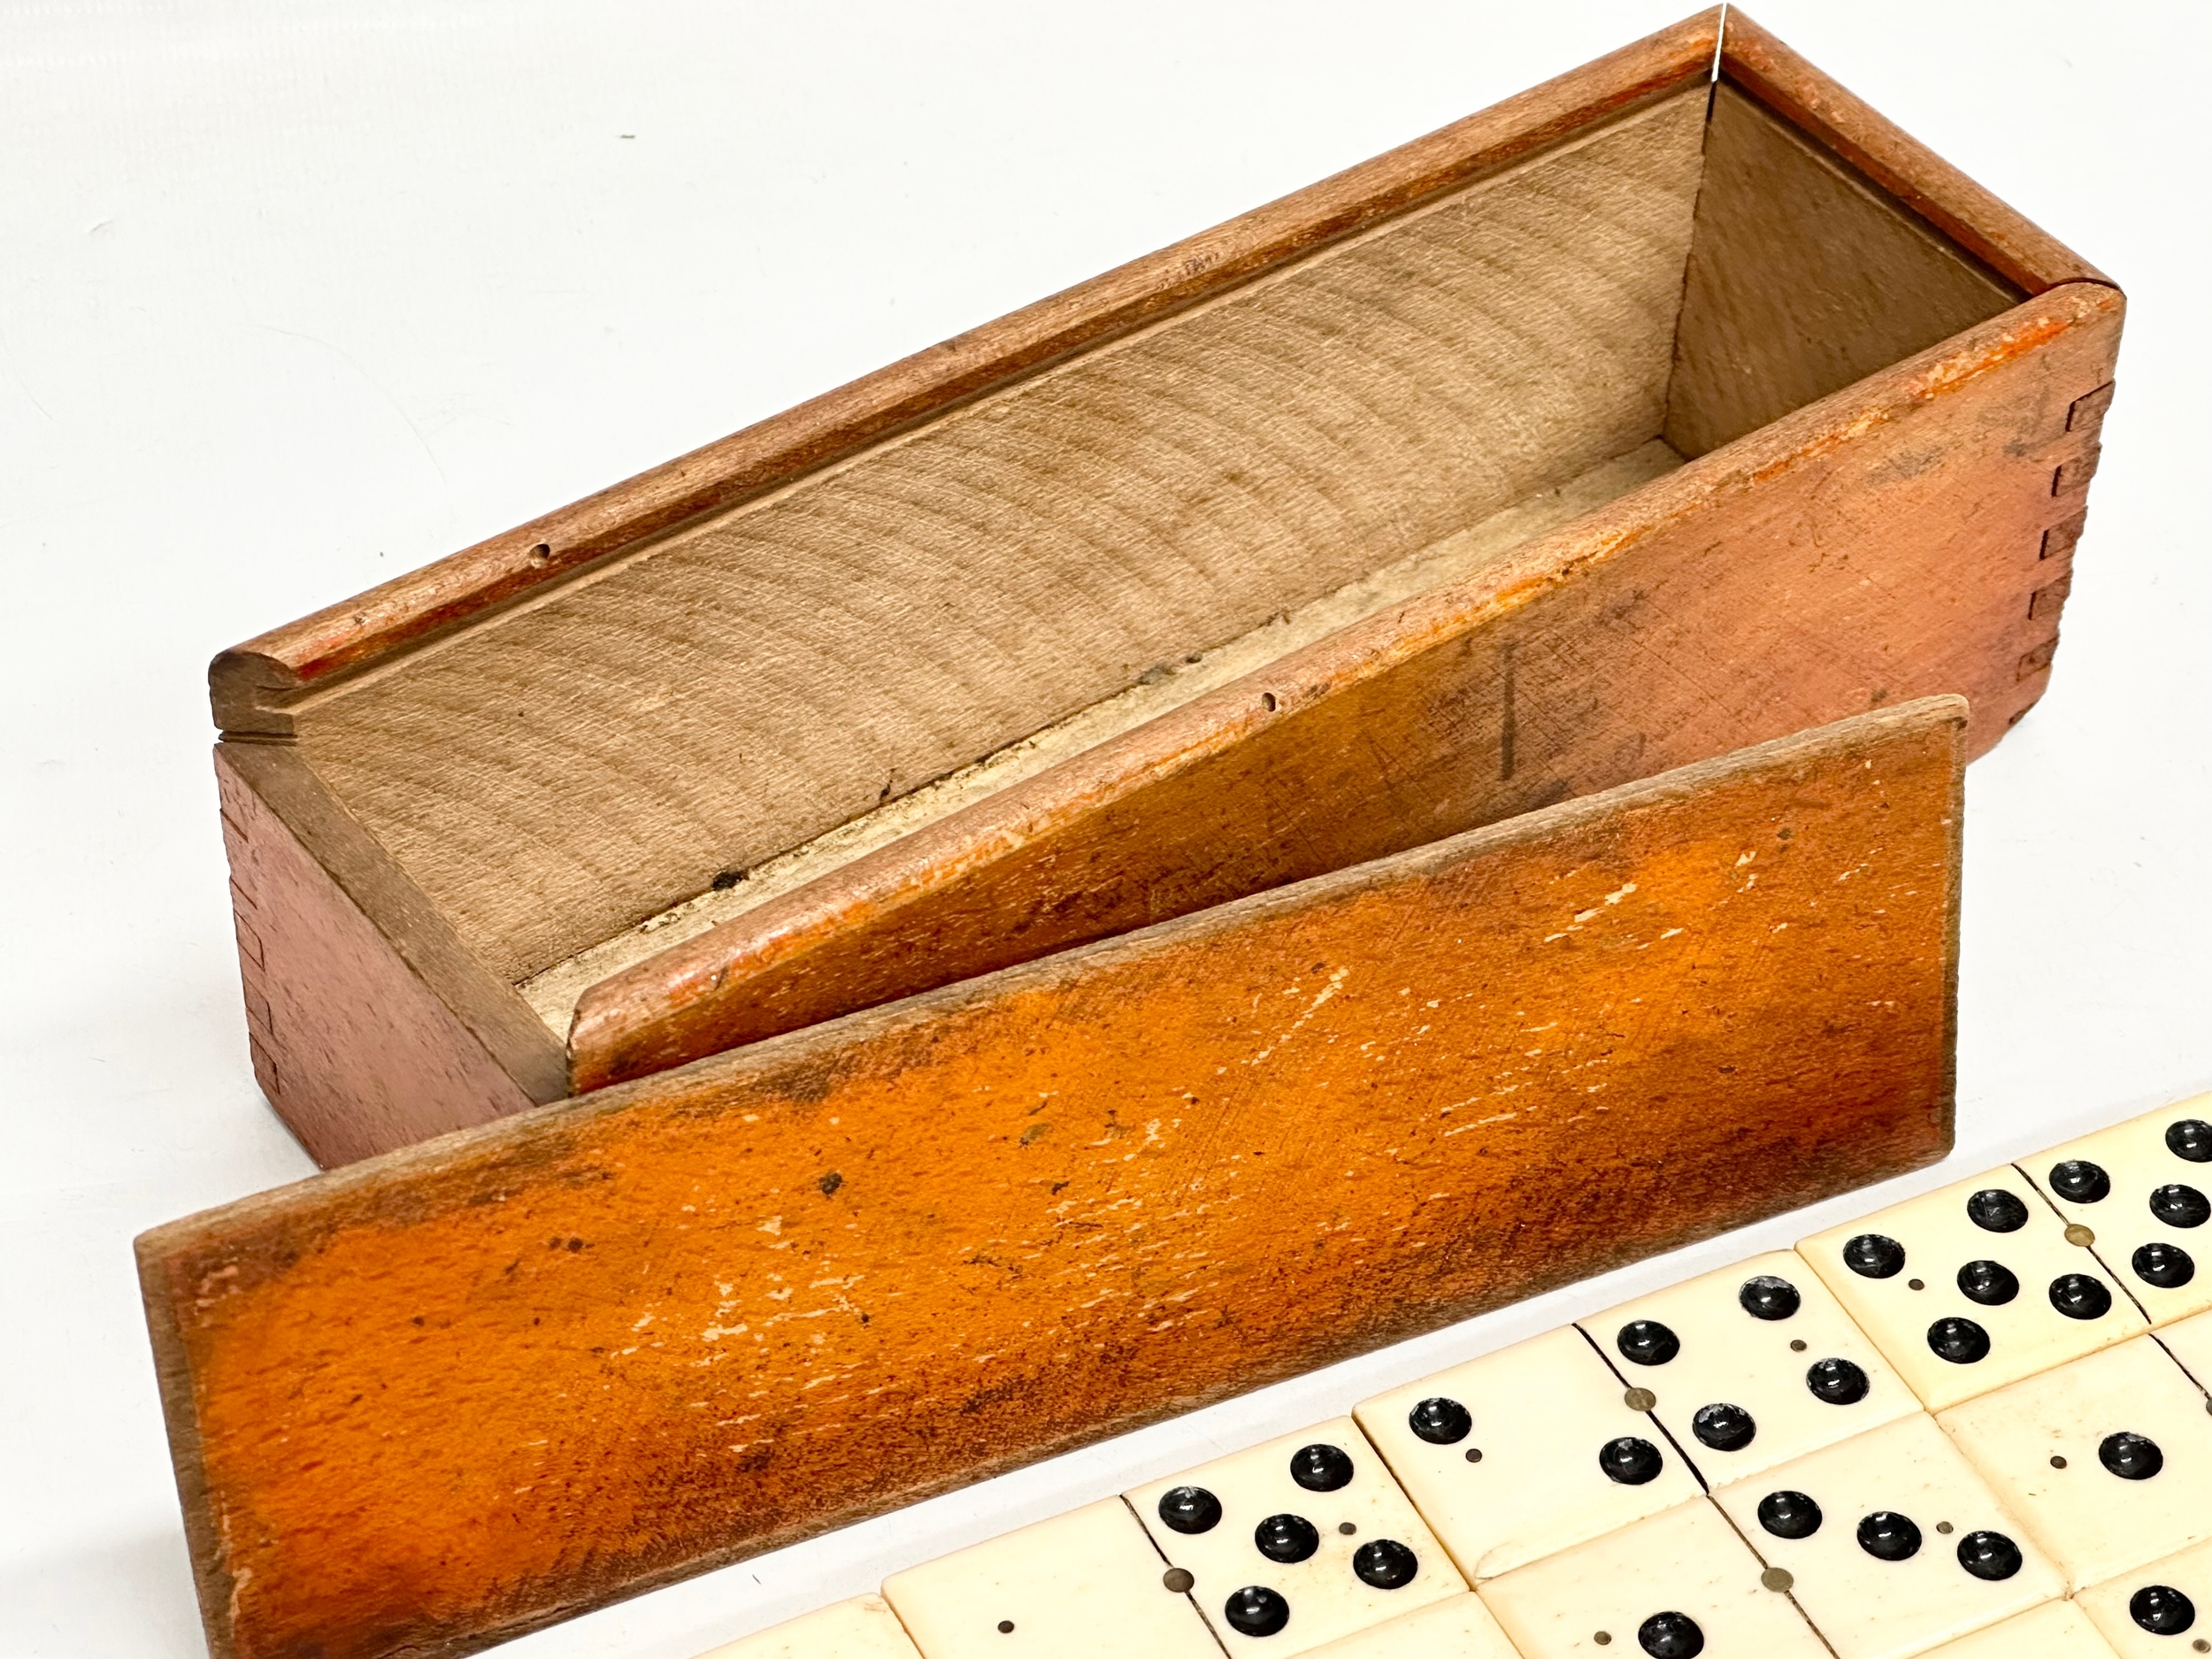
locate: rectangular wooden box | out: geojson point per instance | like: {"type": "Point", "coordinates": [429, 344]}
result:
{"type": "Point", "coordinates": [1309, 599]}
{"type": "Point", "coordinates": [1630, 422]}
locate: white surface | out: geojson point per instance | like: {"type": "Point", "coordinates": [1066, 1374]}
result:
{"type": "Point", "coordinates": [1458, 1627]}
{"type": "Point", "coordinates": [296, 295]}
{"type": "Point", "coordinates": [1596, 1596]}
{"type": "Point", "coordinates": [2191, 1343]}
{"type": "Point", "coordinates": [861, 1628]}
{"type": "Point", "coordinates": [2092, 1524]}
{"type": "Point", "coordinates": [2057, 1630]}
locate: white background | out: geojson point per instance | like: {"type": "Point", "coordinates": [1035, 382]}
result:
{"type": "Point", "coordinates": [296, 295]}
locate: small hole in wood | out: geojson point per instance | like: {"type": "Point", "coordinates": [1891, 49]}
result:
{"type": "Point", "coordinates": [1267, 701]}
{"type": "Point", "coordinates": [542, 554]}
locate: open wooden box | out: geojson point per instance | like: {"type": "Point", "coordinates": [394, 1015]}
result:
{"type": "Point", "coordinates": [1587, 438]}
{"type": "Point", "coordinates": [1130, 785]}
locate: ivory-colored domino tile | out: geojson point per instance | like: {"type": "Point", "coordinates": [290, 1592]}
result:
{"type": "Point", "coordinates": [2167, 1153]}
{"type": "Point", "coordinates": [1458, 1627]}
{"type": "Point", "coordinates": [1683, 1564]}
{"type": "Point", "coordinates": [2057, 1630]}
{"type": "Point", "coordinates": [1358, 1533]}
{"type": "Point", "coordinates": [862, 1628]}
{"type": "Point", "coordinates": [1086, 1585]}
{"type": "Point", "coordinates": [1907, 1311]}
{"type": "Point", "coordinates": [1870, 1608]}
{"type": "Point", "coordinates": [2190, 1342]}
{"type": "Point", "coordinates": [1539, 1415]}
{"type": "Point", "coordinates": [1721, 1366]}
{"type": "Point", "coordinates": [2159, 1612]}
{"type": "Point", "coordinates": [2046, 1446]}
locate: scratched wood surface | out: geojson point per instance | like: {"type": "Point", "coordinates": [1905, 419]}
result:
{"type": "Point", "coordinates": [441, 1397]}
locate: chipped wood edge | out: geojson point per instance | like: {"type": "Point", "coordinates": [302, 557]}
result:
{"type": "Point", "coordinates": [180, 1420]}
{"type": "Point", "coordinates": [613, 1034]}
{"type": "Point", "coordinates": [250, 684]}
{"type": "Point", "coordinates": [1788, 86]}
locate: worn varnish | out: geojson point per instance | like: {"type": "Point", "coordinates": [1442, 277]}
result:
{"type": "Point", "coordinates": [445, 1395]}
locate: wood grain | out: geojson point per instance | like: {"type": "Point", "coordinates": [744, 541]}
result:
{"type": "Point", "coordinates": [437, 1398]}
{"type": "Point", "coordinates": [369, 1027]}
{"type": "Point", "coordinates": [2021, 252]}
{"type": "Point", "coordinates": [251, 683]}
{"type": "Point", "coordinates": [1802, 279]}
{"type": "Point", "coordinates": [582, 763]}
{"type": "Point", "coordinates": [1878, 545]}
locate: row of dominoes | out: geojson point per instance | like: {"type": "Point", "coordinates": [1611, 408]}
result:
{"type": "Point", "coordinates": [1947, 1428]}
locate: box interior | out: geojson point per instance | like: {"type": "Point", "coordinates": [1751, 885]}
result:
{"type": "Point", "coordinates": [752, 700]}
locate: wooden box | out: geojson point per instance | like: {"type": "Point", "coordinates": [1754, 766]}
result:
{"type": "Point", "coordinates": [1631, 421]}
{"type": "Point", "coordinates": [1237, 814]}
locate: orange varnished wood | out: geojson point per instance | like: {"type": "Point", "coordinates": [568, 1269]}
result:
{"type": "Point", "coordinates": [441, 1397]}
{"type": "Point", "coordinates": [1884, 542]}
{"type": "Point", "coordinates": [250, 682]}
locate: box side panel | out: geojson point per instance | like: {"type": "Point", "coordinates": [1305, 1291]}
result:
{"type": "Point", "coordinates": [495, 1381]}
{"type": "Point", "coordinates": [1802, 279]}
{"type": "Point", "coordinates": [354, 1050]}
{"type": "Point", "coordinates": [1888, 543]}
